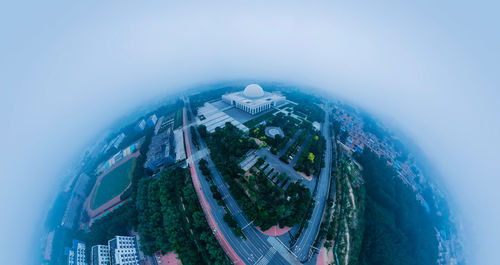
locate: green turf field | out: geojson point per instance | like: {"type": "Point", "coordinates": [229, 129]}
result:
{"type": "Point", "coordinates": [112, 184]}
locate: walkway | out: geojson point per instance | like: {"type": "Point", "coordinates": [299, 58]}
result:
{"type": "Point", "coordinates": [303, 245]}
{"type": "Point", "coordinates": [280, 154]}
{"type": "Point", "coordinates": [283, 167]}
{"type": "Point", "coordinates": [255, 246]}
{"type": "Point", "coordinates": [204, 205]}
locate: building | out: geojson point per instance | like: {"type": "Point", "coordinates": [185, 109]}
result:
{"type": "Point", "coordinates": [152, 120]}
{"type": "Point", "coordinates": [254, 99]}
{"type": "Point", "coordinates": [100, 255]}
{"type": "Point", "coordinates": [118, 140]}
{"type": "Point", "coordinates": [158, 125]}
{"type": "Point", "coordinates": [123, 250]}
{"type": "Point", "coordinates": [119, 156]}
{"type": "Point", "coordinates": [140, 126]}
{"type": "Point", "coordinates": [160, 152]}
{"type": "Point", "coordinates": [76, 254]}
{"type": "Point", "coordinates": [213, 117]}
{"type": "Point", "coordinates": [180, 151]}
{"type": "Point", "coordinates": [113, 143]}
{"type": "Point", "coordinates": [75, 201]}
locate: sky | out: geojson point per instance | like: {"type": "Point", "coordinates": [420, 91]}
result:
{"type": "Point", "coordinates": [69, 69]}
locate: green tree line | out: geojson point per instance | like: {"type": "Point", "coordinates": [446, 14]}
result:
{"type": "Point", "coordinates": [398, 230]}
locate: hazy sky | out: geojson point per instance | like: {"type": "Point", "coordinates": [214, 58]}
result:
{"type": "Point", "coordinates": [70, 68]}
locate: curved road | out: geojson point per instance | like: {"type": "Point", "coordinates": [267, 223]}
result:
{"type": "Point", "coordinates": [257, 248]}
{"type": "Point", "coordinates": [303, 245]}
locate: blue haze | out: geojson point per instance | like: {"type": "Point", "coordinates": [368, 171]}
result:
{"type": "Point", "coordinates": [70, 69]}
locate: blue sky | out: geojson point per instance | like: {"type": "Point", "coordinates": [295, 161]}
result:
{"type": "Point", "coordinates": [69, 69]}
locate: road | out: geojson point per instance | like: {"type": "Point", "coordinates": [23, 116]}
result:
{"type": "Point", "coordinates": [283, 167]}
{"type": "Point", "coordinates": [290, 142]}
{"type": "Point", "coordinates": [303, 245]}
{"type": "Point", "coordinates": [256, 248]}
{"type": "Point", "coordinates": [301, 149]}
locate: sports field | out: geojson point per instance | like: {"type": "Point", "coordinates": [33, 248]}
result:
{"type": "Point", "coordinates": [113, 183]}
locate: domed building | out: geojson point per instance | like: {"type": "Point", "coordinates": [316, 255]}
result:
{"type": "Point", "coordinates": [254, 99]}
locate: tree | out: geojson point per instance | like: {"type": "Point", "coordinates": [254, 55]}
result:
{"type": "Point", "coordinates": [202, 129]}
{"type": "Point", "coordinates": [398, 230]}
{"type": "Point", "coordinates": [311, 157]}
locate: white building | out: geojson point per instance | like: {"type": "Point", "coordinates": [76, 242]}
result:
{"type": "Point", "coordinates": [140, 126]}
{"type": "Point", "coordinates": [123, 250]}
{"type": "Point", "coordinates": [100, 255]}
{"type": "Point", "coordinates": [152, 120]}
{"type": "Point", "coordinates": [118, 140]}
{"type": "Point", "coordinates": [254, 99]}
{"type": "Point", "coordinates": [76, 254]}
{"type": "Point", "coordinates": [180, 151]}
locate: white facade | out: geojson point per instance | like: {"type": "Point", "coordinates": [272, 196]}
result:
{"type": "Point", "coordinates": [76, 254]}
{"type": "Point", "coordinates": [254, 99]}
{"type": "Point", "coordinates": [100, 255]}
{"type": "Point", "coordinates": [80, 254]}
{"type": "Point", "coordinates": [118, 140]}
{"type": "Point", "coordinates": [180, 152]}
{"type": "Point", "coordinates": [123, 250]}
{"type": "Point", "coordinates": [152, 120]}
{"type": "Point", "coordinates": [140, 126]}
{"type": "Point", "coordinates": [71, 257]}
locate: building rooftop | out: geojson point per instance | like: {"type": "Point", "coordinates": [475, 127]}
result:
{"type": "Point", "coordinates": [253, 91]}
{"type": "Point", "coordinates": [259, 99]}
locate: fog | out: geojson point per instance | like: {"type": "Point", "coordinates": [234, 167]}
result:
{"type": "Point", "coordinates": [69, 69]}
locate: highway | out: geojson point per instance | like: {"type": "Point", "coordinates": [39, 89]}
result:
{"type": "Point", "coordinates": [256, 249]}
{"type": "Point", "coordinates": [302, 246]}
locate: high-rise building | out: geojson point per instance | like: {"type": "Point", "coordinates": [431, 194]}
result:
{"type": "Point", "coordinates": [76, 254]}
{"type": "Point", "coordinates": [100, 255]}
{"type": "Point", "coordinates": [123, 250]}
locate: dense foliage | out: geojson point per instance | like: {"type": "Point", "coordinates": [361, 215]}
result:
{"type": "Point", "coordinates": [178, 118]}
{"type": "Point", "coordinates": [294, 147]}
{"type": "Point", "coordinates": [398, 230]}
{"type": "Point", "coordinates": [170, 218]}
{"type": "Point", "coordinates": [288, 124]}
{"type": "Point", "coordinates": [261, 200]}
{"type": "Point", "coordinates": [306, 105]}
{"type": "Point", "coordinates": [118, 222]}
{"type": "Point", "coordinates": [194, 138]}
{"type": "Point", "coordinates": [311, 158]}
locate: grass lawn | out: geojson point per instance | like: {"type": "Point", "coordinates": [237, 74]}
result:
{"type": "Point", "coordinates": [178, 119]}
{"type": "Point", "coordinates": [114, 183]}
{"type": "Point", "coordinates": [254, 122]}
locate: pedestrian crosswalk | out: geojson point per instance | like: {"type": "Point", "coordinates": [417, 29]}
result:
{"type": "Point", "coordinates": [267, 257]}
{"type": "Point", "coordinates": [197, 155]}
{"type": "Point", "coordinates": [283, 250]}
